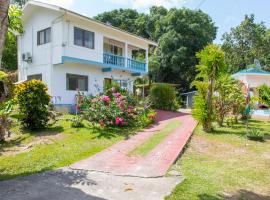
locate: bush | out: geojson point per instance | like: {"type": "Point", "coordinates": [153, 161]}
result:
{"type": "Point", "coordinates": [255, 134]}
{"type": "Point", "coordinates": [33, 101]}
{"type": "Point", "coordinates": [115, 110]}
{"type": "Point", "coordinates": [77, 122]}
{"type": "Point", "coordinates": [163, 96]}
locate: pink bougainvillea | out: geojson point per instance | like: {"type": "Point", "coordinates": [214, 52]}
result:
{"type": "Point", "coordinates": [106, 99]}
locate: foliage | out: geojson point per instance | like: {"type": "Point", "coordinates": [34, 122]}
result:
{"type": "Point", "coordinates": [10, 57]}
{"type": "Point", "coordinates": [183, 33]}
{"type": "Point", "coordinates": [255, 134]}
{"type": "Point", "coordinates": [246, 42]}
{"type": "Point", "coordinates": [5, 121]}
{"type": "Point", "coordinates": [9, 60]}
{"type": "Point", "coordinates": [33, 101]}
{"type": "Point", "coordinates": [200, 109]}
{"type": "Point", "coordinates": [229, 98]}
{"type": "Point", "coordinates": [113, 110]}
{"type": "Point", "coordinates": [77, 121]}
{"type": "Point", "coordinates": [211, 67]}
{"type": "Point", "coordinates": [264, 94]}
{"type": "Point", "coordinates": [180, 32]}
{"type": "Point", "coordinates": [3, 76]}
{"type": "Point", "coordinates": [163, 96]}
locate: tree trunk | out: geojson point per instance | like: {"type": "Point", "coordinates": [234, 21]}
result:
{"type": "Point", "coordinates": [4, 5]}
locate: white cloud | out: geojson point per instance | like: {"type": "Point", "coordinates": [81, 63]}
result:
{"type": "Point", "coordinates": [62, 3]}
{"type": "Point", "coordinates": [137, 4]}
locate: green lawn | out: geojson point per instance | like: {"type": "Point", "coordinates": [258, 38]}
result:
{"type": "Point", "coordinates": [61, 146]}
{"type": "Point", "coordinates": [153, 141]}
{"type": "Point", "coordinates": [225, 165]}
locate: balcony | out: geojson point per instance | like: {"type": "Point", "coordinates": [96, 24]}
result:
{"type": "Point", "coordinates": [124, 63]}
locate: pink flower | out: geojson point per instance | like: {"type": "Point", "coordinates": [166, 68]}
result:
{"type": "Point", "coordinates": [113, 89]}
{"type": "Point", "coordinates": [106, 99]}
{"type": "Point", "coordinates": [119, 121]}
{"type": "Point", "coordinates": [117, 95]}
{"type": "Point", "coordinates": [102, 123]}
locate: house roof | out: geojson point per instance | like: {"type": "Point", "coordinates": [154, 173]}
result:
{"type": "Point", "coordinates": [58, 8]}
{"type": "Point", "coordinates": [252, 71]}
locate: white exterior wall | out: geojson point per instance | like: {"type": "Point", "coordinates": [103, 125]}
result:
{"type": "Point", "coordinates": [95, 80]}
{"type": "Point", "coordinates": [254, 80]}
{"type": "Point", "coordinates": [47, 58]}
{"type": "Point", "coordinates": [42, 60]}
{"type": "Point", "coordinates": [95, 54]}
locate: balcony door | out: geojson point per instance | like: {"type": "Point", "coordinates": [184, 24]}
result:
{"type": "Point", "coordinates": [114, 49]}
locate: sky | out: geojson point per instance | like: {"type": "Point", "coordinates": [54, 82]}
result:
{"type": "Point", "coordinates": [225, 13]}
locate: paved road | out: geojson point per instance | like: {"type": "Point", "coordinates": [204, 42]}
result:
{"type": "Point", "coordinates": [66, 184]}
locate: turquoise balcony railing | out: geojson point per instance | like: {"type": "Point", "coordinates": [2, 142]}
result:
{"type": "Point", "coordinates": [113, 60]}
{"type": "Point", "coordinates": [136, 65]}
{"type": "Point", "coordinates": [119, 61]}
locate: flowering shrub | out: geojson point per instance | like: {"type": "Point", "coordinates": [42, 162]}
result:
{"type": "Point", "coordinates": [115, 110]}
{"type": "Point", "coordinates": [33, 101]}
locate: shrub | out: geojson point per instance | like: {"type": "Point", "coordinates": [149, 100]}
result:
{"type": "Point", "coordinates": [163, 96]}
{"type": "Point", "coordinates": [33, 101]}
{"type": "Point", "coordinates": [255, 134]}
{"type": "Point", "coordinates": [77, 122]}
{"type": "Point", "coordinates": [114, 110]}
{"type": "Point", "coordinates": [200, 110]}
{"type": "Point", "coordinates": [264, 94]}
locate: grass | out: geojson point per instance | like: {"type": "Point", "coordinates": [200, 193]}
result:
{"type": "Point", "coordinates": [225, 165]}
{"type": "Point", "coordinates": [153, 141]}
{"type": "Point", "coordinates": [70, 145]}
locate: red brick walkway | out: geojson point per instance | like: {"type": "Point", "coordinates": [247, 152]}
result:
{"type": "Point", "coordinates": [116, 161]}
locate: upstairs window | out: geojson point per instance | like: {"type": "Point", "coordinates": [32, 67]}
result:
{"type": "Point", "coordinates": [77, 82]}
{"type": "Point", "coordinates": [84, 38]}
{"type": "Point", "coordinates": [44, 36]}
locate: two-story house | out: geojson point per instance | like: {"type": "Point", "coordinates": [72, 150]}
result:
{"type": "Point", "coordinates": [69, 52]}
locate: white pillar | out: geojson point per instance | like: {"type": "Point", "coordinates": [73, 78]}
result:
{"type": "Point", "coordinates": [126, 54]}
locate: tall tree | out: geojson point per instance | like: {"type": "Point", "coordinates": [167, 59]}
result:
{"type": "Point", "coordinates": [246, 42]}
{"type": "Point", "coordinates": [182, 33]}
{"type": "Point", "coordinates": [123, 18]}
{"type": "Point", "coordinates": [4, 5]}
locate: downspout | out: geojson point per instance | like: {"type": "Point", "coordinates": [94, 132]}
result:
{"type": "Point", "coordinates": [51, 50]}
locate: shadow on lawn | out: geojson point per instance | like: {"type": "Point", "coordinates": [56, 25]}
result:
{"type": "Point", "coordinates": [25, 134]}
{"type": "Point", "coordinates": [59, 184]}
{"type": "Point", "coordinates": [240, 194]}
{"type": "Point", "coordinates": [240, 128]}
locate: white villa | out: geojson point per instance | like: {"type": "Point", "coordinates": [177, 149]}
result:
{"type": "Point", "coordinates": [69, 51]}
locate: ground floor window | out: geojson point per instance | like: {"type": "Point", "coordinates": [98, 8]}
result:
{"type": "Point", "coordinates": [122, 83]}
{"type": "Point", "coordinates": [107, 83]}
{"type": "Point", "coordinates": [77, 82]}
{"type": "Point", "coordinates": [34, 77]}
